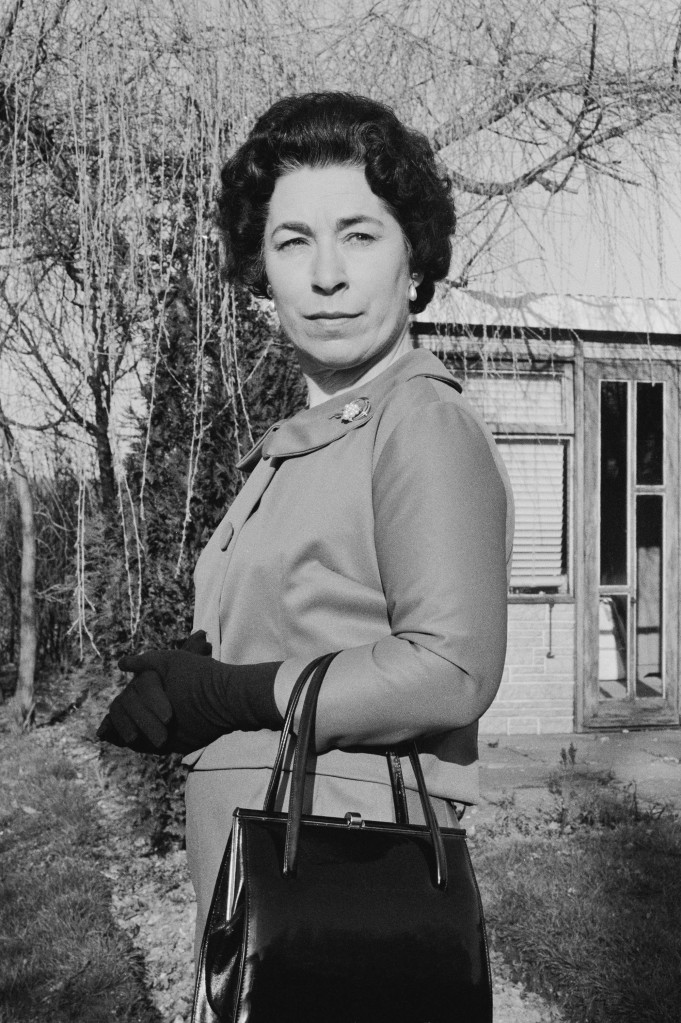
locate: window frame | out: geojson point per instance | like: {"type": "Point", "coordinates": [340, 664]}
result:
{"type": "Point", "coordinates": [470, 364]}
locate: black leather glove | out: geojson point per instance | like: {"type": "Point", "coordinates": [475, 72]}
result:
{"type": "Point", "coordinates": [147, 702]}
{"type": "Point", "coordinates": [197, 644]}
{"type": "Point", "coordinates": [179, 701]}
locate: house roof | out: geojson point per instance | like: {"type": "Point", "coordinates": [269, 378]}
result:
{"type": "Point", "coordinates": [558, 312]}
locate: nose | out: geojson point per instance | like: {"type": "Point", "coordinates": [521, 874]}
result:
{"type": "Point", "coordinates": [328, 272]}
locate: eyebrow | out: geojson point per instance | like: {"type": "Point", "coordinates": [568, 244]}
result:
{"type": "Point", "coordinates": [300, 227]}
{"type": "Point", "coordinates": [358, 218]}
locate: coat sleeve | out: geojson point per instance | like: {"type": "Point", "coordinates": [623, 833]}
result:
{"type": "Point", "coordinates": [440, 517]}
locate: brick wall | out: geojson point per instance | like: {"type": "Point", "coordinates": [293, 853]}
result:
{"type": "Point", "coordinates": [537, 691]}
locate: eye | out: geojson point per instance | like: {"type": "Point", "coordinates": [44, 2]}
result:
{"type": "Point", "coordinates": [291, 243]}
{"type": "Point", "coordinates": [360, 237]}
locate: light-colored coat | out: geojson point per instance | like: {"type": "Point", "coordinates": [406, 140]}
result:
{"type": "Point", "coordinates": [387, 537]}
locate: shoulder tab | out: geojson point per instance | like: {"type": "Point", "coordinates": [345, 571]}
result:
{"type": "Point", "coordinates": [252, 457]}
{"type": "Point", "coordinates": [443, 378]}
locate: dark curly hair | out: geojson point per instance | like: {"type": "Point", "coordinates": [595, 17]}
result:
{"type": "Point", "coordinates": [319, 129]}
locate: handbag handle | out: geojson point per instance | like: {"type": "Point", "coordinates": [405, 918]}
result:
{"type": "Point", "coordinates": [287, 730]}
{"type": "Point", "coordinates": [287, 737]}
{"type": "Point", "coordinates": [300, 761]}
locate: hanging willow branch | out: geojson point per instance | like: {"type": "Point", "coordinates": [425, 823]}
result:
{"type": "Point", "coordinates": [114, 121]}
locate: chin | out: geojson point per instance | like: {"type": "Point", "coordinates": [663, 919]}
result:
{"type": "Point", "coordinates": [334, 353]}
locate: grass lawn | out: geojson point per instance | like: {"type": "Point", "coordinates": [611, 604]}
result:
{"type": "Point", "coordinates": [62, 957]}
{"type": "Point", "coordinates": [582, 898]}
{"type": "Point", "coordinates": [585, 904]}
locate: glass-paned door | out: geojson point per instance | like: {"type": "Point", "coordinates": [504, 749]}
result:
{"type": "Point", "coordinates": [631, 497]}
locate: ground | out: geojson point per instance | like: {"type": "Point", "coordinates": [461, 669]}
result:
{"type": "Point", "coordinates": [153, 899]}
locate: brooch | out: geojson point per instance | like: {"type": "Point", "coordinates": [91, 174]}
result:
{"type": "Point", "coordinates": [357, 409]}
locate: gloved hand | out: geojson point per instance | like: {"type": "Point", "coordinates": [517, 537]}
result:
{"type": "Point", "coordinates": [198, 644]}
{"type": "Point", "coordinates": [146, 701]}
{"type": "Point", "coordinates": [179, 701]}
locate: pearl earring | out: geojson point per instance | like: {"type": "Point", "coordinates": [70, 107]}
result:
{"type": "Point", "coordinates": [412, 294]}
{"type": "Point", "coordinates": [268, 291]}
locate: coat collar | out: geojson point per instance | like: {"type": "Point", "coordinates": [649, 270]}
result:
{"type": "Point", "coordinates": [316, 427]}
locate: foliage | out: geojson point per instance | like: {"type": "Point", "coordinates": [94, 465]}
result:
{"type": "Point", "coordinates": [154, 787]}
{"type": "Point", "coordinates": [208, 399]}
{"type": "Point", "coordinates": [584, 902]}
{"type": "Point", "coordinates": [64, 960]}
{"type": "Point", "coordinates": [246, 381]}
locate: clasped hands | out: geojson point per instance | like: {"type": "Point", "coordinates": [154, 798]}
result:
{"type": "Point", "coordinates": [181, 700]}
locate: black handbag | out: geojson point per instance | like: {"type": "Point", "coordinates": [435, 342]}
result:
{"type": "Point", "coordinates": [342, 920]}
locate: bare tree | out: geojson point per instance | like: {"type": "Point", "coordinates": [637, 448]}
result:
{"type": "Point", "coordinates": [114, 120]}
{"type": "Point", "coordinates": [58, 281]}
{"type": "Point", "coordinates": [523, 99]}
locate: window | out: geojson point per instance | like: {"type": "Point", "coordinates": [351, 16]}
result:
{"type": "Point", "coordinates": [537, 467]}
{"type": "Point", "coordinates": [530, 414]}
{"type": "Point", "coordinates": [632, 547]}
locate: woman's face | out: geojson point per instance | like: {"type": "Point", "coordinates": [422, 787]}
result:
{"type": "Point", "coordinates": [338, 267]}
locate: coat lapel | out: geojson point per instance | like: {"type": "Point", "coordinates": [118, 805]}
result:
{"type": "Point", "coordinates": [316, 427]}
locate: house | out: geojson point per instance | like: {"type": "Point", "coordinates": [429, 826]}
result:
{"type": "Point", "coordinates": [582, 395]}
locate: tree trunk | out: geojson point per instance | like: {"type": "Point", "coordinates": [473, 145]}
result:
{"type": "Point", "coordinates": [23, 701]}
{"type": "Point", "coordinates": [107, 477]}
{"type": "Point", "coordinates": [99, 385]}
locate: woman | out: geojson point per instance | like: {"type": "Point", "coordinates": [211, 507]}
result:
{"type": "Point", "coordinates": [376, 522]}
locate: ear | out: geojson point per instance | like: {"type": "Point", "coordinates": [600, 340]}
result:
{"type": "Point", "coordinates": [417, 278]}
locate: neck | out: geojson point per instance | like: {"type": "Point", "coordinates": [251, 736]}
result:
{"type": "Point", "coordinates": [323, 384]}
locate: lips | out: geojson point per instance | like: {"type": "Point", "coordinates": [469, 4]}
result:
{"type": "Point", "coordinates": [332, 316]}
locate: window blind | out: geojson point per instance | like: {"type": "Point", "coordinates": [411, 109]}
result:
{"type": "Point", "coordinates": [537, 469]}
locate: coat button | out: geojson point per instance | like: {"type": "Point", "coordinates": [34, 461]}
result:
{"type": "Point", "coordinates": [227, 534]}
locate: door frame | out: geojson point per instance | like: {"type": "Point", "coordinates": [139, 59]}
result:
{"type": "Point", "coordinates": [631, 362]}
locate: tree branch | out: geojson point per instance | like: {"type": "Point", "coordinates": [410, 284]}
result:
{"type": "Point", "coordinates": [461, 281]}
{"type": "Point", "coordinates": [52, 425]}
{"type": "Point", "coordinates": [592, 50]}
{"type": "Point", "coordinates": [67, 403]}
{"type": "Point", "coordinates": [7, 30]}
{"type": "Point", "coordinates": [539, 173]}
{"type": "Point", "coordinates": [675, 54]}
{"type": "Point", "coordinates": [460, 127]}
